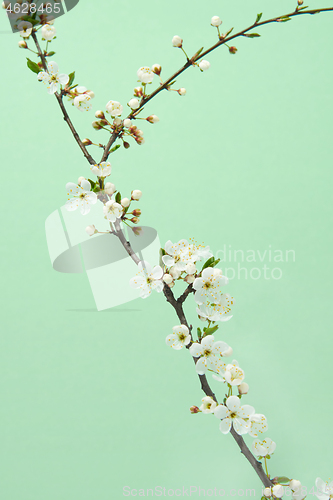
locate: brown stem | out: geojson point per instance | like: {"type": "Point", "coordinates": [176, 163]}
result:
{"type": "Point", "coordinates": [189, 63]}
{"type": "Point", "coordinates": [88, 157]}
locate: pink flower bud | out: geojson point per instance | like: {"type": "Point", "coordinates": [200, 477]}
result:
{"type": "Point", "coordinates": [232, 50]}
{"type": "Point", "coordinates": [135, 220]}
{"type": "Point", "coordinates": [156, 68]}
{"type": "Point", "coordinates": [153, 119]}
{"type": "Point", "coordinates": [86, 142]}
{"type": "Point", "coordinates": [136, 212]}
{"type": "Point", "coordinates": [194, 409]}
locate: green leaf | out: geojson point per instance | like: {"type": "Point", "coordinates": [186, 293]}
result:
{"type": "Point", "coordinates": [284, 19]}
{"type": "Point", "coordinates": [199, 333]}
{"type": "Point", "coordinates": [208, 263]}
{"type": "Point", "coordinates": [115, 148]}
{"type": "Point", "coordinates": [33, 66]}
{"type": "Point", "coordinates": [30, 20]}
{"type": "Point", "coordinates": [228, 32]}
{"type": "Point", "coordinates": [93, 183]}
{"type": "Point", "coordinates": [118, 197]}
{"type": "Point", "coordinates": [171, 83]}
{"type": "Point", "coordinates": [259, 16]}
{"type": "Point", "coordinates": [96, 188]}
{"type": "Point", "coordinates": [283, 479]}
{"type": "Point", "coordinates": [51, 53]}
{"type": "Point", "coordinates": [302, 8]}
{"type": "Point", "coordinates": [252, 35]}
{"type": "Point", "coordinates": [161, 253]}
{"type": "Point", "coordinates": [210, 331]}
{"type": "Point", "coordinates": [71, 79]}
{"type": "Point", "coordinates": [197, 54]}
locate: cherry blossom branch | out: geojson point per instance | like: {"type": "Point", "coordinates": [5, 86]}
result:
{"type": "Point", "coordinates": [177, 304]}
{"type": "Point", "coordinates": [190, 62]}
{"type": "Point", "coordinates": [126, 244]}
{"type": "Point", "coordinates": [59, 97]}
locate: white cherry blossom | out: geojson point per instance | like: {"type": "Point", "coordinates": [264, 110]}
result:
{"type": "Point", "coordinates": [209, 286]}
{"type": "Point", "coordinates": [52, 79]}
{"type": "Point", "coordinates": [147, 279]}
{"type": "Point", "coordinates": [102, 170]}
{"type": "Point", "coordinates": [179, 338]}
{"type": "Point", "coordinates": [210, 354]}
{"type": "Point", "coordinates": [278, 490]}
{"type": "Point", "coordinates": [264, 447]}
{"type": "Point", "coordinates": [258, 425]}
{"type": "Point", "coordinates": [234, 414]}
{"type": "Point", "coordinates": [177, 255]}
{"type": "Point", "coordinates": [324, 489]}
{"type": "Point", "coordinates": [145, 74]}
{"type": "Point", "coordinates": [48, 32]}
{"type": "Point", "coordinates": [25, 29]}
{"type": "Point", "coordinates": [233, 374]}
{"type": "Point", "coordinates": [112, 210]}
{"type": "Point", "coordinates": [83, 102]}
{"type": "Point", "coordinates": [83, 197]}
{"type": "Point", "coordinates": [114, 108]}
{"type": "Point", "coordinates": [220, 310]}
{"type": "Point", "coordinates": [208, 405]}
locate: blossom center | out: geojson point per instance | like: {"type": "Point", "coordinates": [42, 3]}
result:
{"type": "Point", "coordinates": [207, 352]}
{"type": "Point", "coordinates": [233, 415]}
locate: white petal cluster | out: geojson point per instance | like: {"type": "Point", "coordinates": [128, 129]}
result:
{"type": "Point", "coordinates": [82, 197]}
{"type": "Point", "coordinates": [204, 65]}
{"type": "Point", "coordinates": [209, 286]}
{"type": "Point", "coordinates": [324, 489]}
{"type": "Point", "coordinates": [102, 170]}
{"type": "Point", "coordinates": [147, 279]}
{"type": "Point", "coordinates": [180, 257]}
{"type": "Point", "coordinates": [232, 413]}
{"type": "Point", "coordinates": [216, 21]}
{"type": "Point", "coordinates": [114, 108]}
{"type": "Point", "coordinates": [219, 310]}
{"type": "Point", "coordinates": [258, 425]}
{"type": "Point", "coordinates": [210, 354]}
{"type": "Point", "coordinates": [263, 448]}
{"type": "Point", "coordinates": [145, 74]}
{"type": "Point", "coordinates": [233, 374]}
{"type": "Point", "coordinates": [177, 41]}
{"type": "Point", "coordinates": [25, 29]}
{"type": "Point", "coordinates": [208, 405]}
{"type": "Point", "coordinates": [112, 210]}
{"type": "Point", "coordinates": [179, 338]}
{"type": "Point", "coordinates": [134, 103]}
{"type": "Point", "coordinates": [48, 32]}
{"type": "Point", "coordinates": [52, 79]}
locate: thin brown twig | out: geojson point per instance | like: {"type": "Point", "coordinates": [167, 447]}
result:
{"type": "Point", "coordinates": [190, 62]}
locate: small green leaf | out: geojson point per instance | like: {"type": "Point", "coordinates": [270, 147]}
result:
{"type": "Point", "coordinates": [51, 53]}
{"type": "Point", "coordinates": [199, 333]}
{"type": "Point", "coordinates": [30, 20]}
{"type": "Point", "coordinates": [228, 33]}
{"type": "Point", "coordinates": [259, 16]}
{"type": "Point", "coordinates": [171, 83]}
{"type": "Point", "coordinates": [197, 54]}
{"type": "Point", "coordinates": [284, 19]}
{"type": "Point", "coordinates": [302, 8]}
{"type": "Point", "coordinates": [210, 331]}
{"type": "Point", "coordinates": [96, 188]}
{"type": "Point", "coordinates": [283, 479]}
{"type": "Point", "coordinates": [252, 35]}
{"type": "Point", "coordinates": [115, 148]}
{"type": "Point", "coordinates": [92, 183]}
{"type": "Point", "coordinates": [33, 66]}
{"type": "Point", "coordinates": [118, 197]}
{"type": "Point", "coordinates": [208, 263]}
{"type": "Point", "coordinates": [71, 79]}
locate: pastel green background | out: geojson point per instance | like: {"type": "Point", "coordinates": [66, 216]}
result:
{"type": "Point", "coordinates": [92, 402]}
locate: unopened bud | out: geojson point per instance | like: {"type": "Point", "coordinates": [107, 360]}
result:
{"type": "Point", "coordinates": [103, 123]}
{"type": "Point", "coordinates": [243, 388]}
{"type": "Point", "coordinates": [117, 122]}
{"type": "Point", "coordinates": [194, 409]}
{"type": "Point", "coordinates": [300, 2]}
{"type": "Point", "coordinates": [135, 220]}
{"type": "Point", "coordinates": [90, 93]}
{"type": "Point", "coordinates": [140, 140]}
{"type": "Point", "coordinates": [127, 123]}
{"type": "Point", "coordinates": [137, 230]}
{"type": "Point", "coordinates": [182, 91]}
{"type": "Point", "coordinates": [278, 491]}
{"type": "Point", "coordinates": [190, 268]}
{"type": "Point", "coordinates": [156, 68]}
{"type": "Point", "coordinates": [138, 91]}
{"type": "Point", "coordinates": [96, 125]}
{"type": "Point", "coordinates": [139, 132]}
{"type": "Point", "coordinates": [267, 492]}
{"type": "Point", "coordinates": [99, 114]}
{"type": "Point", "coordinates": [91, 230]}
{"type": "Point", "coordinates": [204, 65]}
{"type": "Point", "coordinates": [167, 278]}
{"type": "Point", "coordinates": [153, 119]}
{"type": "Point", "coordinates": [232, 50]}
{"type": "Point", "coordinates": [126, 144]}
{"type": "Point", "coordinates": [177, 41]}
{"type": "Point", "coordinates": [215, 21]}
{"type": "Point", "coordinates": [80, 179]}
{"type": "Point", "coordinates": [109, 188]}
{"type": "Point", "coordinates": [136, 212]}
{"type": "Point", "coordinates": [295, 484]}
{"type": "Point", "coordinates": [190, 278]}
{"type": "Point", "coordinates": [125, 202]}
{"type": "Point", "coordinates": [134, 103]}
{"type": "Point", "coordinates": [136, 194]}
{"type": "Point", "coordinates": [86, 142]}
{"type": "Point", "coordinates": [23, 45]}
